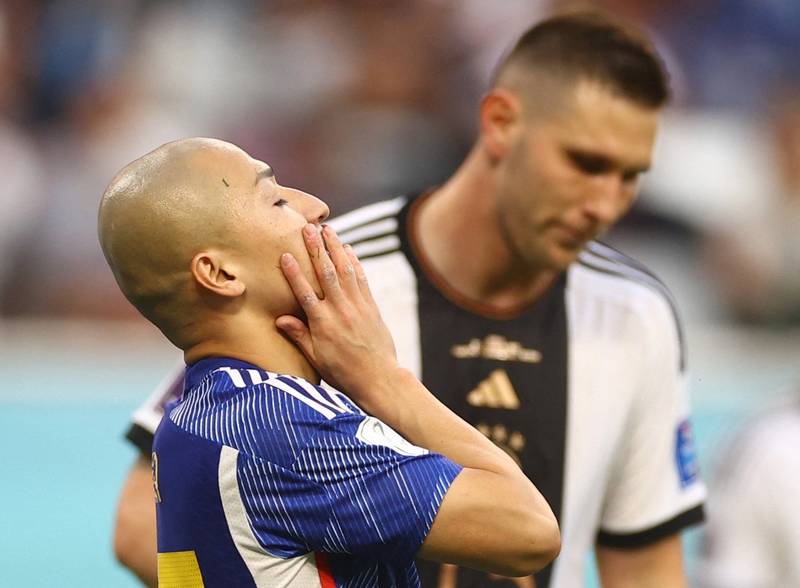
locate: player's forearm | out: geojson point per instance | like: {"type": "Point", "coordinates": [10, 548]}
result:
{"type": "Point", "coordinates": [658, 565]}
{"type": "Point", "coordinates": [489, 523]}
{"type": "Point", "coordinates": [403, 403]}
{"type": "Point", "coordinates": [493, 518]}
{"type": "Point", "coordinates": [135, 528]}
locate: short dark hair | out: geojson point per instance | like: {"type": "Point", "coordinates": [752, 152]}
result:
{"type": "Point", "coordinates": [592, 45]}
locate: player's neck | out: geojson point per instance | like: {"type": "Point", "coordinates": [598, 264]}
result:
{"type": "Point", "coordinates": [457, 232]}
{"type": "Point", "coordinates": [256, 342]}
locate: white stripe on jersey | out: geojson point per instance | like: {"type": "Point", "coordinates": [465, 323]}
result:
{"type": "Point", "coordinates": [312, 390]}
{"type": "Point", "coordinates": [255, 377]}
{"type": "Point", "coordinates": [378, 228]}
{"type": "Point", "coordinates": [235, 375]}
{"type": "Point", "coordinates": [267, 570]}
{"type": "Point", "coordinates": [323, 410]}
{"type": "Point", "coordinates": [383, 245]}
{"type": "Point", "coordinates": [317, 402]}
{"type": "Point", "coordinates": [367, 214]}
{"type": "Point", "coordinates": [334, 394]}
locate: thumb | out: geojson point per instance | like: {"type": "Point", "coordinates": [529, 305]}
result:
{"type": "Point", "coordinates": [297, 331]}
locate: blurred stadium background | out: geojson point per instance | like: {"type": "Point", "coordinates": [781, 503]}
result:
{"type": "Point", "coordinates": [352, 101]}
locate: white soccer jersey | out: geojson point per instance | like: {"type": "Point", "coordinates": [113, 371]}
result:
{"type": "Point", "coordinates": [753, 535]}
{"type": "Point", "coordinates": [586, 388]}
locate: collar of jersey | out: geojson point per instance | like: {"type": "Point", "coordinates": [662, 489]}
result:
{"type": "Point", "coordinates": [197, 371]}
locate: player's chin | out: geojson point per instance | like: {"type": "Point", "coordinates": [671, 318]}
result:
{"type": "Point", "coordinates": [561, 257]}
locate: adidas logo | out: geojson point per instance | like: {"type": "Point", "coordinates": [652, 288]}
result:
{"type": "Point", "coordinates": [496, 391]}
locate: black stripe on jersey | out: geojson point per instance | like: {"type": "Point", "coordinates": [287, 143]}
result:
{"type": "Point", "coordinates": [605, 250]}
{"type": "Point", "coordinates": [378, 254]}
{"type": "Point", "coordinates": [141, 438]}
{"type": "Point", "coordinates": [371, 238]}
{"type": "Point", "coordinates": [644, 538]}
{"type": "Point", "coordinates": [607, 260]}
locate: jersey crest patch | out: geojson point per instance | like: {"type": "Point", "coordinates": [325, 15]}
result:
{"type": "Point", "coordinates": [496, 347]}
{"type": "Point", "coordinates": [685, 455]}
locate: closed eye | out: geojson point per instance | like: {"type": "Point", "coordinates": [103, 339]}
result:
{"type": "Point", "coordinates": [589, 163]}
{"type": "Point", "coordinates": [281, 202]}
{"type": "Point", "coordinates": [631, 176]}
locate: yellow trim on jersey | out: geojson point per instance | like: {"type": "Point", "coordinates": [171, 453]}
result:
{"type": "Point", "coordinates": [179, 569]}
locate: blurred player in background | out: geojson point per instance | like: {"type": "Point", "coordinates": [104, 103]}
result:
{"type": "Point", "coordinates": [753, 534]}
{"type": "Point", "coordinates": [261, 477]}
{"type": "Point", "coordinates": [561, 350]}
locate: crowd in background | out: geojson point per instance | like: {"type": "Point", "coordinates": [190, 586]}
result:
{"type": "Point", "coordinates": [359, 100]}
{"type": "Point", "coordinates": [363, 99]}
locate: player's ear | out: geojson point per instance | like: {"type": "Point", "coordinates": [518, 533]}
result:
{"type": "Point", "coordinates": [500, 113]}
{"type": "Point", "coordinates": [214, 273]}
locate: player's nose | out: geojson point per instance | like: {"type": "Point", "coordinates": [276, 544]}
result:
{"type": "Point", "coordinates": [314, 209]}
{"type": "Point", "coordinates": [606, 201]}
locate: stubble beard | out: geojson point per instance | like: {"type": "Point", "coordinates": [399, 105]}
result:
{"type": "Point", "coordinates": [531, 257]}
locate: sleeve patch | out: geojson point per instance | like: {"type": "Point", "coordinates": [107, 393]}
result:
{"type": "Point", "coordinates": [685, 455]}
{"type": "Point", "coordinates": [375, 432]}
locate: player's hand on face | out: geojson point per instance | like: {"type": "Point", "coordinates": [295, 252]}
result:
{"type": "Point", "coordinates": [345, 339]}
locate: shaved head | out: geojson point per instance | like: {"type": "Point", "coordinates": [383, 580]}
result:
{"type": "Point", "coordinates": [159, 211]}
{"type": "Point", "coordinates": [194, 231]}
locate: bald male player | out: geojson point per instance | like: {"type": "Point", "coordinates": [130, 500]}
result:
{"type": "Point", "coordinates": [263, 478]}
{"type": "Point", "coordinates": [563, 351]}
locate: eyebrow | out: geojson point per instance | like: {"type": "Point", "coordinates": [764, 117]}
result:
{"type": "Point", "coordinates": [265, 173]}
{"type": "Point", "coordinates": [603, 159]}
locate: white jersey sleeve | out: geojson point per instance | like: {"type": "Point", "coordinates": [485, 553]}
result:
{"type": "Point", "coordinates": [147, 416]}
{"type": "Point", "coordinates": [654, 489]}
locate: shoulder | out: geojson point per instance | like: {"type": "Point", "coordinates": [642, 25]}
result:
{"type": "Point", "coordinates": [296, 395]}
{"type": "Point", "coordinates": [372, 230]}
{"type": "Point", "coordinates": [263, 414]}
{"type": "Point", "coordinates": [604, 272]}
{"type": "Point", "coordinates": [377, 234]}
{"type": "Point", "coordinates": [604, 279]}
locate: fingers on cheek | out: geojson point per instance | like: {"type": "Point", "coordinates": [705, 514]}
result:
{"type": "Point", "coordinates": [288, 264]}
{"type": "Point", "coordinates": [351, 255]}
{"type": "Point", "coordinates": [298, 279]}
{"type": "Point", "coordinates": [348, 271]}
{"type": "Point", "coordinates": [329, 273]}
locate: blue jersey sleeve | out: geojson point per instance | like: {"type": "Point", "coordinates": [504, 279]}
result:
{"type": "Point", "coordinates": [357, 488]}
{"type": "Point", "coordinates": [383, 492]}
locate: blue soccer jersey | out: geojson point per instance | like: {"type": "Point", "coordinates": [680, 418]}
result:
{"type": "Point", "coordinates": [267, 480]}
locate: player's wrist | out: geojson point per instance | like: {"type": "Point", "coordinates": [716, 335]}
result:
{"type": "Point", "coordinates": [383, 388]}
